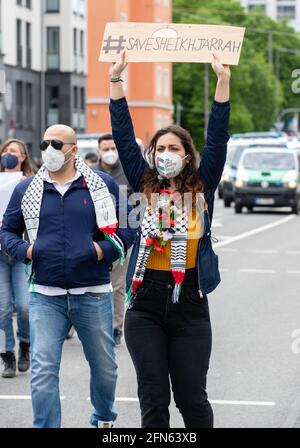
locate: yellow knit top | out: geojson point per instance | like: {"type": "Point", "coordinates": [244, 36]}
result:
{"type": "Point", "coordinates": [161, 261]}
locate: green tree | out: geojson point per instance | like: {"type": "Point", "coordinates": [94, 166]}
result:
{"type": "Point", "coordinates": [256, 93]}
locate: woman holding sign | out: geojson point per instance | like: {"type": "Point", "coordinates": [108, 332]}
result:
{"type": "Point", "coordinates": [14, 158]}
{"type": "Point", "coordinates": [173, 266]}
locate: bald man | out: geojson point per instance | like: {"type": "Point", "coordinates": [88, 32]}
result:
{"type": "Point", "coordinates": [70, 213]}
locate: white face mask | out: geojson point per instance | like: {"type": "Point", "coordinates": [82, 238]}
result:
{"type": "Point", "coordinates": [54, 160]}
{"type": "Point", "coordinates": [110, 157]}
{"type": "Point", "coordinates": [169, 164]}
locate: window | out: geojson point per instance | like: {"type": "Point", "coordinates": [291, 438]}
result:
{"type": "Point", "coordinates": [82, 98]}
{"type": "Point", "coordinates": [286, 12]}
{"type": "Point", "coordinates": [75, 115]}
{"type": "Point", "coordinates": [28, 4]}
{"type": "Point", "coordinates": [82, 107]}
{"type": "Point", "coordinates": [82, 8]}
{"type": "Point", "coordinates": [19, 103]}
{"type": "Point", "coordinates": [53, 110]}
{"type": "Point", "coordinates": [75, 98]}
{"type": "Point", "coordinates": [261, 6]}
{"type": "Point", "coordinates": [19, 2]}
{"type": "Point", "coordinates": [53, 46]}
{"type": "Point", "coordinates": [82, 48]}
{"type": "Point", "coordinates": [28, 45]}
{"type": "Point", "coordinates": [158, 122]}
{"type": "Point", "coordinates": [75, 41]}
{"type": "Point", "coordinates": [19, 42]}
{"type": "Point", "coordinates": [159, 80]}
{"type": "Point", "coordinates": [28, 102]}
{"type": "Point", "coordinates": [52, 6]}
{"type": "Point", "coordinates": [82, 43]}
{"type": "Point", "coordinates": [166, 82]}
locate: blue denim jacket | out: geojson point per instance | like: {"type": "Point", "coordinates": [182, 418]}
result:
{"type": "Point", "coordinates": [210, 172]}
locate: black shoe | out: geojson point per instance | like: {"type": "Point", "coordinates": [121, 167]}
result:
{"type": "Point", "coordinates": [9, 362]}
{"type": "Point", "coordinates": [24, 357]}
{"type": "Point", "coordinates": [118, 337]}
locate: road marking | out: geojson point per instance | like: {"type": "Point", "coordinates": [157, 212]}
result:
{"type": "Point", "coordinates": [255, 231]}
{"type": "Point", "coordinates": [234, 402]}
{"type": "Point", "coordinates": [293, 252]}
{"type": "Point", "coordinates": [135, 400]}
{"type": "Point", "coordinates": [293, 272]}
{"type": "Point", "coordinates": [223, 270]}
{"type": "Point", "coordinates": [262, 251]}
{"type": "Point", "coordinates": [19, 397]}
{"type": "Point", "coordinates": [244, 403]}
{"type": "Point", "coordinates": [258, 271]}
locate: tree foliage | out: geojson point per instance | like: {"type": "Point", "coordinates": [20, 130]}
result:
{"type": "Point", "coordinates": [259, 89]}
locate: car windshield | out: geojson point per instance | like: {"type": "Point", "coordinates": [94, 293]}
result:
{"type": "Point", "coordinates": [269, 161]}
{"type": "Point", "coordinates": [238, 151]}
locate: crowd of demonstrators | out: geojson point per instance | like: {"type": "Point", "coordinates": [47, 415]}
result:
{"type": "Point", "coordinates": [173, 266]}
{"type": "Point", "coordinates": [14, 293]}
{"type": "Point", "coordinates": [79, 255]}
{"type": "Point", "coordinates": [74, 237]}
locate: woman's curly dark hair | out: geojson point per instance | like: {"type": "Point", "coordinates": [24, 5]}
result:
{"type": "Point", "coordinates": [188, 180]}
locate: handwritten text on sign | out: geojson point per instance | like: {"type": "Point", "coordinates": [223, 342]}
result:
{"type": "Point", "coordinates": [157, 42]}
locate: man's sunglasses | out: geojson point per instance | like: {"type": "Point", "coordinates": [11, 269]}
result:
{"type": "Point", "coordinates": [56, 144]}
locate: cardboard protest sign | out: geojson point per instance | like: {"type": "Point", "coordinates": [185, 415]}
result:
{"type": "Point", "coordinates": [8, 182]}
{"type": "Point", "coordinates": [157, 42]}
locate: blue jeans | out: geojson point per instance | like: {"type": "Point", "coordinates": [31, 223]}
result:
{"type": "Point", "coordinates": [50, 321]}
{"type": "Point", "coordinates": [13, 291]}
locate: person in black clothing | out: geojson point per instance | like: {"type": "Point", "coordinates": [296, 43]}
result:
{"type": "Point", "coordinates": [173, 266]}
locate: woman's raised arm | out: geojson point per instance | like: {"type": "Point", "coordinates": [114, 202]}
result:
{"type": "Point", "coordinates": [130, 154]}
{"type": "Point", "coordinates": [215, 151]}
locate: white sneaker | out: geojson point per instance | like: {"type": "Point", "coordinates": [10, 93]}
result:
{"type": "Point", "coordinates": [105, 425]}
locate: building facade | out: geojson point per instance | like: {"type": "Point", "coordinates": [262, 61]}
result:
{"type": "Point", "coordinates": [44, 58]}
{"type": "Point", "coordinates": [278, 9]}
{"type": "Point", "coordinates": [148, 86]}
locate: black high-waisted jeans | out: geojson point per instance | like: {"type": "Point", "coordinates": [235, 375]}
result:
{"type": "Point", "coordinates": [166, 341]}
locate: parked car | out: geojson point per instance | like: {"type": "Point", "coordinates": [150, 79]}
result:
{"type": "Point", "coordinates": [268, 177]}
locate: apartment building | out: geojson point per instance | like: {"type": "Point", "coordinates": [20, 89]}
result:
{"type": "Point", "coordinates": [278, 9]}
{"type": "Point", "coordinates": [148, 86]}
{"type": "Point", "coordinates": [44, 58]}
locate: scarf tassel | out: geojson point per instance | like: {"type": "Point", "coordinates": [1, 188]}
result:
{"type": "Point", "coordinates": [178, 277]}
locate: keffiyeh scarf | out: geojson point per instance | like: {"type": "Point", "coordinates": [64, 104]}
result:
{"type": "Point", "coordinates": [104, 207]}
{"type": "Point", "coordinates": [154, 236]}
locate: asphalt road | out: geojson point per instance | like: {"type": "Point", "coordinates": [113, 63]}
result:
{"type": "Point", "coordinates": [254, 377]}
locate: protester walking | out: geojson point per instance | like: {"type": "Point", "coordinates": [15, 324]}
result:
{"type": "Point", "coordinates": [173, 266]}
{"type": "Point", "coordinates": [72, 217]}
{"type": "Point", "coordinates": [109, 162]}
{"type": "Point", "coordinates": [14, 158]}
